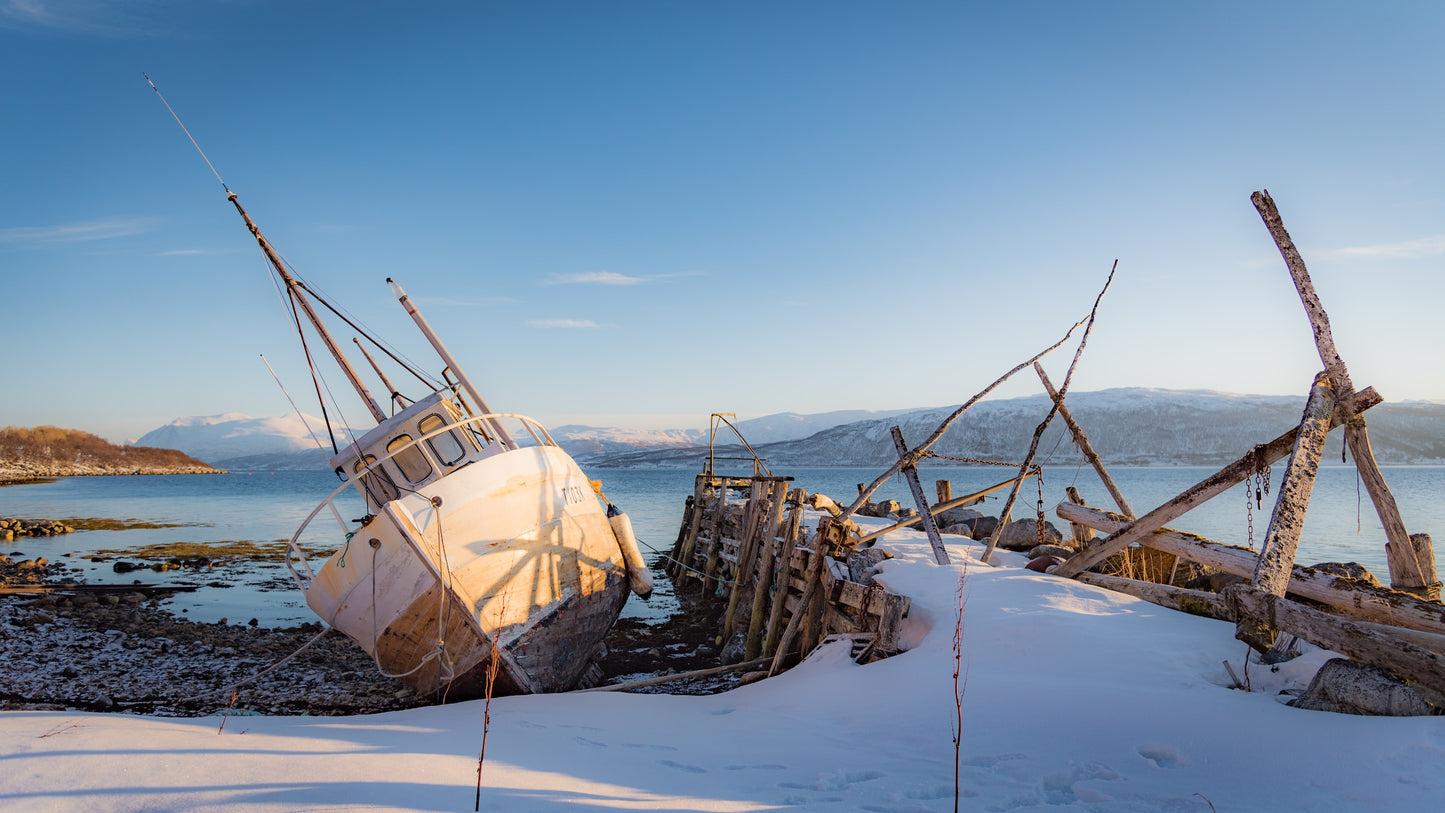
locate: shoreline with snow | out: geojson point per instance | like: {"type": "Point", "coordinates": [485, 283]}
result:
{"type": "Point", "coordinates": [1075, 697]}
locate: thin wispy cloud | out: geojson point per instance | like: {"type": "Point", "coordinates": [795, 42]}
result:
{"type": "Point", "coordinates": [77, 232]}
{"type": "Point", "coordinates": [186, 252]}
{"type": "Point", "coordinates": [594, 278]}
{"type": "Point", "coordinates": [564, 323]}
{"type": "Point", "coordinates": [1406, 250]}
{"type": "Point", "coordinates": [101, 17]}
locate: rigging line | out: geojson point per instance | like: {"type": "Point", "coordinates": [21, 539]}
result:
{"type": "Point", "coordinates": [299, 413]}
{"type": "Point", "coordinates": [355, 323]}
{"type": "Point", "coordinates": [315, 377]}
{"type": "Point", "coordinates": [375, 343]}
{"type": "Point", "coordinates": [187, 132]}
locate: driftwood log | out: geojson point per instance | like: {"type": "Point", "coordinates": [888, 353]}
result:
{"type": "Point", "coordinates": [1348, 596]}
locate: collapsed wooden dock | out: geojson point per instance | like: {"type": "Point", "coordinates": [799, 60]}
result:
{"type": "Point", "coordinates": [742, 538]}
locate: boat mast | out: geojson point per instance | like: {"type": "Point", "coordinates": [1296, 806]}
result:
{"type": "Point", "coordinates": [295, 290]}
{"type": "Point", "coordinates": [451, 363]}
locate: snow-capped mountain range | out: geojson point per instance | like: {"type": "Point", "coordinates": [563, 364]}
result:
{"type": "Point", "coordinates": [1126, 425]}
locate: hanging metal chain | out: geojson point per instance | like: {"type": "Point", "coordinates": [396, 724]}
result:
{"type": "Point", "coordinates": [1040, 523]}
{"type": "Point", "coordinates": [1249, 511]}
{"type": "Point", "coordinates": [1257, 483]}
{"type": "Point", "coordinates": [979, 461]}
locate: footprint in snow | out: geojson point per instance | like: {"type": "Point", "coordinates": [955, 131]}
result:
{"type": "Point", "coordinates": [589, 743]}
{"type": "Point", "coordinates": [667, 763]}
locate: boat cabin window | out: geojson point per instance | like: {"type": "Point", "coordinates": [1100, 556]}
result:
{"type": "Point", "coordinates": [377, 483]}
{"type": "Point", "coordinates": [410, 460]}
{"type": "Point", "coordinates": [445, 446]}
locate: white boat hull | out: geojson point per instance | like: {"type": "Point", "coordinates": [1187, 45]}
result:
{"type": "Point", "coordinates": [510, 557]}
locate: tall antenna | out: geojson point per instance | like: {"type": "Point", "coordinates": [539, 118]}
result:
{"type": "Point", "coordinates": [187, 132]}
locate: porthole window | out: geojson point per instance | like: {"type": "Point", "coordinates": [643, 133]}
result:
{"type": "Point", "coordinates": [447, 448]}
{"type": "Point", "coordinates": [410, 460]}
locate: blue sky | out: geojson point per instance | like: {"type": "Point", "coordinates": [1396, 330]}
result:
{"type": "Point", "coordinates": [639, 213]}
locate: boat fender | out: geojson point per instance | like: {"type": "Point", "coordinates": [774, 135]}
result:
{"type": "Point", "coordinates": [639, 578]}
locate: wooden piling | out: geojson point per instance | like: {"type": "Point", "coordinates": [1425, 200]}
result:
{"type": "Point", "coordinates": [940, 554]}
{"type": "Point", "coordinates": [1413, 570]}
{"type": "Point", "coordinates": [1082, 440]}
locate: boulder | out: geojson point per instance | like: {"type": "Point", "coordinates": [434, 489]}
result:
{"type": "Point", "coordinates": [956, 516]}
{"type": "Point", "coordinates": [982, 527]}
{"type": "Point", "coordinates": [882, 508]}
{"type": "Point", "coordinates": [1023, 534]}
{"type": "Point", "coordinates": [1057, 551]}
{"type": "Point", "coordinates": [959, 530]}
{"type": "Point", "coordinates": [1041, 564]}
{"type": "Point", "coordinates": [862, 564]}
{"type": "Point", "coordinates": [1346, 687]}
{"type": "Point", "coordinates": [734, 650]}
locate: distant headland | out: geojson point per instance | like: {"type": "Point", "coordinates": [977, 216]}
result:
{"type": "Point", "coordinates": [44, 452]}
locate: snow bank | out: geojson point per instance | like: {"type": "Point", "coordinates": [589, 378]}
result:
{"type": "Point", "coordinates": [1075, 697]}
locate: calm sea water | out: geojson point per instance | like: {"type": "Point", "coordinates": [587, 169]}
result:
{"type": "Point", "coordinates": [267, 507]}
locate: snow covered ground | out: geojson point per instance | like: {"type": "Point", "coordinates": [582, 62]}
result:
{"type": "Point", "coordinates": [1075, 697]}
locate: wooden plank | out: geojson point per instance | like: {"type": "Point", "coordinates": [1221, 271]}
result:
{"type": "Point", "coordinates": [780, 593]}
{"type": "Point", "coordinates": [815, 576]}
{"type": "Point", "coordinates": [764, 577]}
{"type": "Point", "coordinates": [1347, 596]}
{"type": "Point", "coordinates": [1422, 669]}
{"type": "Point", "coordinates": [1356, 435]}
{"type": "Point", "coordinates": [910, 473]}
{"type": "Point", "coordinates": [1413, 571]}
{"type": "Point", "coordinates": [1085, 446]}
{"type": "Point", "coordinates": [1083, 534]}
{"type": "Point", "coordinates": [1206, 489]}
{"type": "Point", "coordinates": [1214, 605]}
{"type": "Point", "coordinates": [1281, 540]}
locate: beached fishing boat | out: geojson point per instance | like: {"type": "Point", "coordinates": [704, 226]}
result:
{"type": "Point", "coordinates": [485, 561]}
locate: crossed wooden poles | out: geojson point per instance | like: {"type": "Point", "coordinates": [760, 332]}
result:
{"type": "Point", "coordinates": [1401, 631]}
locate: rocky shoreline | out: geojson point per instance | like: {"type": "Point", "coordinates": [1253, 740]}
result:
{"type": "Point", "coordinates": [14, 472]}
{"type": "Point", "coordinates": [122, 652]}
{"type": "Point", "coordinates": [108, 649]}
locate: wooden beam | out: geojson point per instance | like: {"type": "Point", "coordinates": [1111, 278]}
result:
{"type": "Point", "coordinates": [1083, 534]}
{"type": "Point", "coordinates": [1206, 489]}
{"type": "Point", "coordinates": [1347, 596]}
{"type": "Point", "coordinates": [1422, 669]}
{"type": "Point", "coordinates": [1413, 571]}
{"type": "Point", "coordinates": [1281, 541]}
{"type": "Point", "coordinates": [1085, 446]}
{"type": "Point", "coordinates": [910, 473]}
{"type": "Point", "coordinates": [823, 537]}
{"type": "Point", "coordinates": [764, 578]}
{"type": "Point", "coordinates": [1214, 605]}
{"type": "Point", "coordinates": [1356, 435]}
